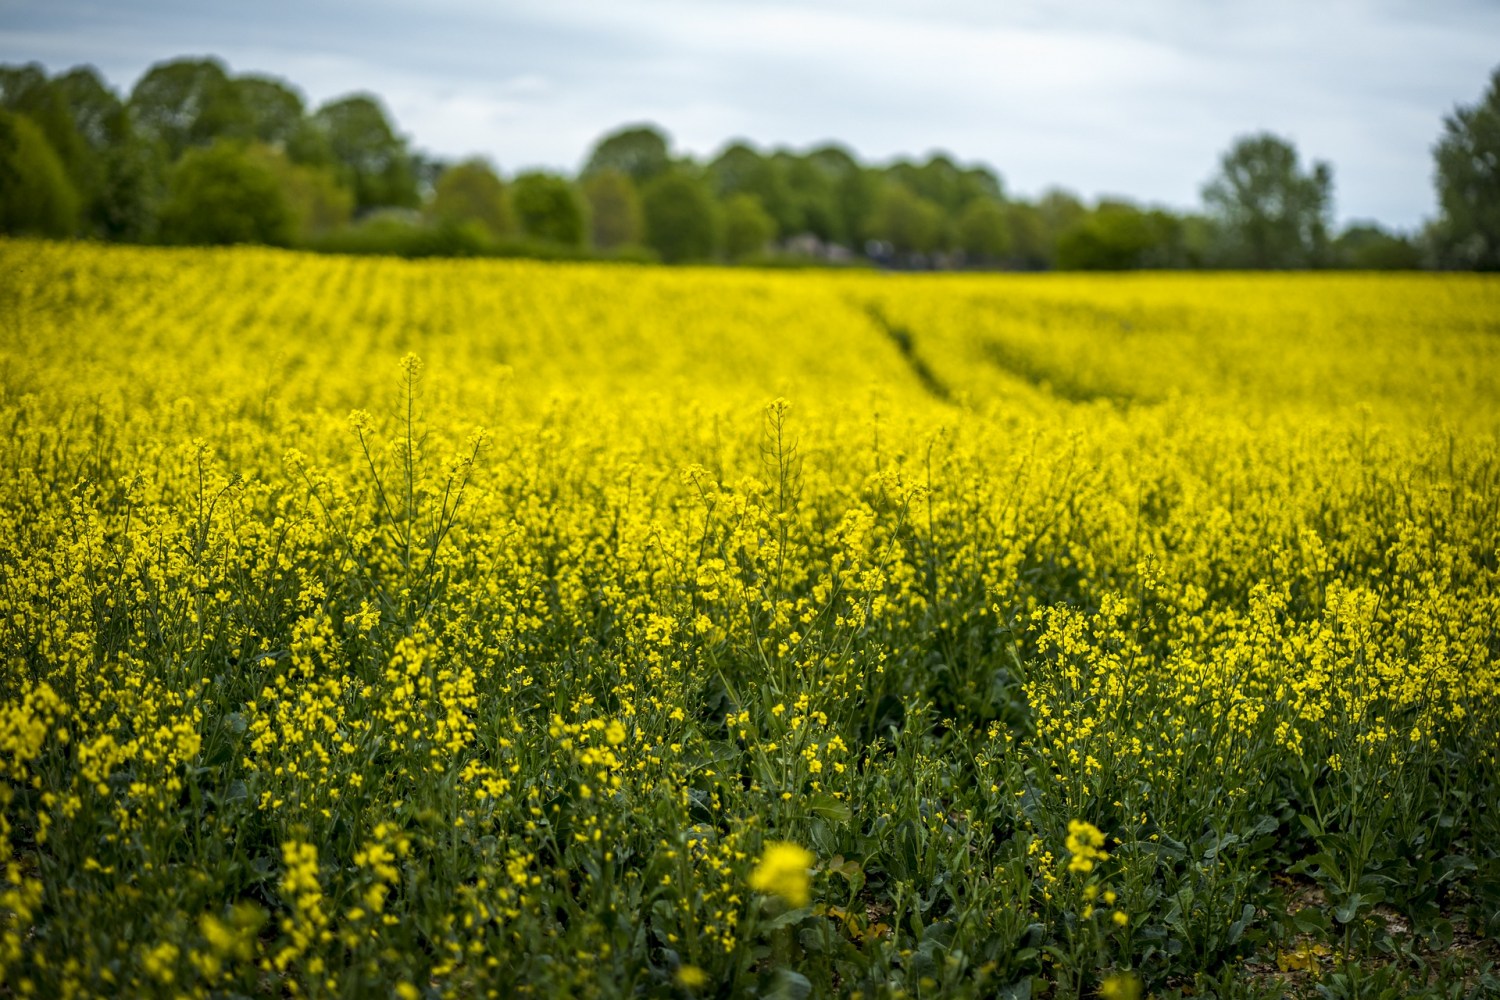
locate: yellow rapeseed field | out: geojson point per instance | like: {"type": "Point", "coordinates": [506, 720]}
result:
{"type": "Point", "coordinates": [385, 628]}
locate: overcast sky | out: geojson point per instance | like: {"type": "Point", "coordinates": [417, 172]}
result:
{"type": "Point", "coordinates": [1127, 97]}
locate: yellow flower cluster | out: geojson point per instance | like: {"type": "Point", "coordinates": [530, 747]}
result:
{"type": "Point", "coordinates": [1085, 846]}
{"type": "Point", "coordinates": [782, 871]}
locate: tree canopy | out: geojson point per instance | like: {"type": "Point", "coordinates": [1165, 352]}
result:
{"type": "Point", "coordinates": [640, 152]}
{"type": "Point", "coordinates": [273, 112]}
{"type": "Point", "coordinates": [908, 222]}
{"type": "Point", "coordinates": [681, 218]}
{"type": "Point", "coordinates": [188, 102]}
{"type": "Point", "coordinates": [549, 209]}
{"type": "Point", "coordinates": [614, 210]}
{"type": "Point", "coordinates": [1272, 213]}
{"type": "Point", "coordinates": [36, 198]}
{"type": "Point", "coordinates": [983, 231]}
{"type": "Point", "coordinates": [222, 194]}
{"type": "Point", "coordinates": [1468, 183]}
{"type": "Point", "coordinates": [748, 229]}
{"type": "Point", "coordinates": [368, 154]}
{"type": "Point", "coordinates": [473, 192]}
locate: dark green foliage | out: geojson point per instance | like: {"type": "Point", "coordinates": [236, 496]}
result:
{"type": "Point", "coordinates": [640, 152]}
{"type": "Point", "coordinates": [614, 209]}
{"type": "Point", "coordinates": [854, 191]}
{"type": "Point", "coordinates": [1371, 248]}
{"type": "Point", "coordinates": [368, 154]}
{"type": "Point", "coordinates": [748, 230]}
{"type": "Point", "coordinates": [317, 202]}
{"type": "Point", "coordinates": [946, 184]}
{"type": "Point", "coordinates": [1271, 213]}
{"type": "Point", "coordinates": [394, 234]}
{"type": "Point", "coordinates": [188, 102]}
{"type": "Point", "coordinates": [1030, 249]}
{"type": "Point", "coordinates": [681, 218]}
{"type": "Point", "coordinates": [1468, 183]}
{"type": "Point", "coordinates": [36, 197]}
{"type": "Point", "coordinates": [983, 231]}
{"type": "Point", "coordinates": [95, 111]}
{"type": "Point", "coordinates": [1118, 236]}
{"type": "Point", "coordinates": [221, 194]}
{"type": "Point", "coordinates": [908, 222]}
{"type": "Point", "coordinates": [273, 110]}
{"type": "Point", "coordinates": [814, 197]}
{"type": "Point", "coordinates": [472, 191]}
{"type": "Point", "coordinates": [26, 90]}
{"type": "Point", "coordinates": [125, 175]}
{"type": "Point", "coordinates": [740, 169]}
{"type": "Point", "coordinates": [549, 209]}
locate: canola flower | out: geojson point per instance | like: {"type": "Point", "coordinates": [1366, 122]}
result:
{"type": "Point", "coordinates": [782, 871]}
{"type": "Point", "coordinates": [1120, 986]}
{"type": "Point", "coordinates": [1085, 846]}
{"type": "Point", "coordinates": [690, 977]}
{"type": "Point", "coordinates": [460, 627]}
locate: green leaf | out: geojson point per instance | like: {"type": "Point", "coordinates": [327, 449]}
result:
{"type": "Point", "coordinates": [1324, 861]}
{"type": "Point", "coordinates": [1266, 824]}
{"type": "Point", "coordinates": [1237, 929]}
{"type": "Point", "coordinates": [786, 919]}
{"type": "Point", "coordinates": [1310, 920]}
{"type": "Point", "coordinates": [789, 985]}
{"type": "Point", "coordinates": [1020, 990]}
{"type": "Point", "coordinates": [828, 807]}
{"type": "Point", "coordinates": [1346, 910]}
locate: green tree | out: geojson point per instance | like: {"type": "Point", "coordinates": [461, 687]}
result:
{"type": "Point", "coordinates": [371, 159]}
{"type": "Point", "coordinates": [549, 209]}
{"type": "Point", "coordinates": [1035, 227]}
{"type": "Point", "coordinates": [1199, 239]}
{"type": "Point", "coordinates": [614, 209]}
{"type": "Point", "coordinates": [125, 183]}
{"type": "Point", "coordinates": [813, 195]}
{"type": "Point", "coordinates": [945, 183]}
{"type": "Point", "coordinates": [1270, 212]}
{"type": "Point", "coordinates": [640, 152]}
{"type": "Point", "coordinates": [1368, 247]}
{"type": "Point", "coordinates": [983, 231]}
{"type": "Point", "coordinates": [681, 218]}
{"type": "Point", "coordinates": [273, 111]}
{"type": "Point", "coordinates": [1030, 247]}
{"type": "Point", "coordinates": [96, 112]}
{"type": "Point", "coordinates": [1468, 184]}
{"type": "Point", "coordinates": [910, 223]}
{"type": "Point", "coordinates": [36, 197]}
{"type": "Point", "coordinates": [1115, 236]}
{"type": "Point", "coordinates": [741, 169]}
{"type": "Point", "coordinates": [748, 228]}
{"type": "Point", "coordinates": [1058, 210]}
{"type": "Point", "coordinates": [26, 90]}
{"type": "Point", "coordinates": [317, 202]}
{"type": "Point", "coordinates": [854, 191]}
{"type": "Point", "coordinates": [224, 194]}
{"type": "Point", "coordinates": [472, 192]}
{"type": "Point", "coordinates": [187, 102]}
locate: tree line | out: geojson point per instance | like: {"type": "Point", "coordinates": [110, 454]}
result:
{"type": "Point", "coordinates": [197, 155]}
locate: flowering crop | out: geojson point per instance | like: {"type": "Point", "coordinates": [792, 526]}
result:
{"type": "Point", "coordinates": [503, 628]}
